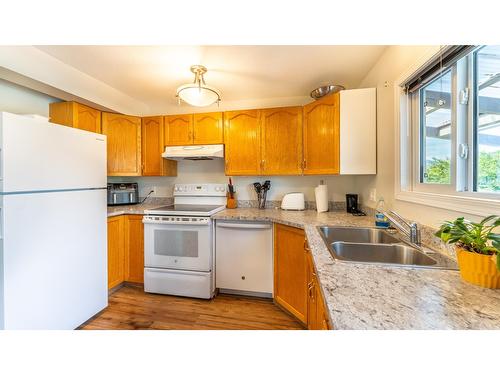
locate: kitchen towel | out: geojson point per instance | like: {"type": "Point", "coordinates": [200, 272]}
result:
{"type": "Point", "coordinates": [321, 193]}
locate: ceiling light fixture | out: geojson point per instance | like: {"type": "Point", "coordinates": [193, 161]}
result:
{"type": "Point", "coordinates": [198, 93]}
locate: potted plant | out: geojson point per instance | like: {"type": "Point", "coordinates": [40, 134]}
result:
{"type": "Point", "coordinates": [477, 247]}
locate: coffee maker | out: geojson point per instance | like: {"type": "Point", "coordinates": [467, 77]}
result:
{"type": "Point", "coordinates": [352, 205]}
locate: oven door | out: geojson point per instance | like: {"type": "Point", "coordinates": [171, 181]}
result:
{"type": "Point", "coordinates": [183, 243]}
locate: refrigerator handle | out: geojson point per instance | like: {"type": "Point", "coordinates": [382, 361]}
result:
{"type": "Point", "coordinates": [1, 164]}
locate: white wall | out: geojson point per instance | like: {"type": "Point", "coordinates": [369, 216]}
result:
{"type": "Point", "coordinates": [21, 100]}
{"type": "Point", "coordinates": [395, 61]}
{"type": "Point", "coordinates": [212, 171]}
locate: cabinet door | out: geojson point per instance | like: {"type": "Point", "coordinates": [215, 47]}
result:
{"type": "Point", "coordinates": [208, 128]}
{"type": "Point", "coordinates": [116, 251]}
{"type": "Point", "coordinates": [242, 140]}
{"type": "Point", "coordinates": [152, 147]}
{"type": "Point", "coordinates": [282, 141]}
{"type": "Point", "coordinates": [322, 136]}
{"type": "Point", "coordinates": [134, 249]}
{"type": "Point", "coordinates": [312, 305]}
{"type": "Point", "coordinates": [290, 271]}
{"type": "Point", "coordinates": [178, 130]}
{"type": "Point", "coordinates": [87, 118]}
{"type": "Point", "coordinates": [75, 115]}
{"type": "Point", "coordinates": [124, 144]}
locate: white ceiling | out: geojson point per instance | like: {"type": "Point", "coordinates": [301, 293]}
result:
{"type": "Point", "coordinates": [245, 75]}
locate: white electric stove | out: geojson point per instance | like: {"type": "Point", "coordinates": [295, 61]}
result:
{"type": "Point", "coordinates": [179, 242]}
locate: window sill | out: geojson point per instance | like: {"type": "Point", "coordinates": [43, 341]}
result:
{"type": "Point", "coordinates": [467, 205]}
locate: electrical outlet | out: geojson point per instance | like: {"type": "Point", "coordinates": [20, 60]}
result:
{"type": "Point", "coordinates": [373, 195]}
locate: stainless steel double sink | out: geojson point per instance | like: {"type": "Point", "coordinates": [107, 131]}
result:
{"type": "Point", "coordinates": [372, 245]}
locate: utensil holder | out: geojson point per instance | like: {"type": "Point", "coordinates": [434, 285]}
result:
{"type": "Point", "coordinates": [231, 201]}
{"type": "Point", "coordinates": [261, 199]}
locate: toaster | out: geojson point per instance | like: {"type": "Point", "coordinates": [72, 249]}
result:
{"type": "Point", "coordinates": [126, 193]}
{"type": "Point", "coordinates": [293, 201]}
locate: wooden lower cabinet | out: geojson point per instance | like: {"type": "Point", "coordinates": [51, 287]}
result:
{"type": "Point", "coordinates": [296, 286]}
{"type": "Point", "coordinates": [116, 251]}
{"type": "Point", "coordinates": [125, 250]}
{"type": "Point", "coordinates": [134, 249]}
{"type": "Point", "coordinates": [317, 316]}
{"type": "Point", "coordinates": [290, 271]}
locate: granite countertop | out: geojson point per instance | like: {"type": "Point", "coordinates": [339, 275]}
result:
{"type": "Point", "coordinates": [131, 209]}
{"type": "Point", "coordinates": [363, 296]}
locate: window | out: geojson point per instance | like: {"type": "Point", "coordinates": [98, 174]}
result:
{"type": "Point", "coordinates": [487, 119]}
{"type": "Point", "coordinates": [435, 131]}
{"type": "Point", "coordinates": [455, 124]}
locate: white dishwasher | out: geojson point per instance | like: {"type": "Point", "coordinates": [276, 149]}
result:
{"type": "Point", "coordinates": [244, 257]}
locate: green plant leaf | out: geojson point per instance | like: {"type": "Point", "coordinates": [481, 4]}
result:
{"type": "Point", "coordinates": [487, 218]}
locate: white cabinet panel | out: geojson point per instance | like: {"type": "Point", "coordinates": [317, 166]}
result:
{"type": "Point", "coordinates": [358, 131]}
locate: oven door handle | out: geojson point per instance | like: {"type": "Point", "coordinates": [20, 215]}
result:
{"type": "Point", "coordinates": [146, 220]}
{"type": "Point", "coordinates": [243, 226]}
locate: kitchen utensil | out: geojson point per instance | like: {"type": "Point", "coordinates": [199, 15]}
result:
{"type": "Point", "coordinates": [293, 201]}
{"type": "Point", "coordinates": [258, 187]}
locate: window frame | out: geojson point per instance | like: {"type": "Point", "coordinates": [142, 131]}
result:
{"type": "Point", "coordinates": [465, 201]}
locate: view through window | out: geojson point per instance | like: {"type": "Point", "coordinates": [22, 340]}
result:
{"type": "Point", "coordinates": [487, 119]}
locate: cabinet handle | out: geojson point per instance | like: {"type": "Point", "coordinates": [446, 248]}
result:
{"type": "Point", "coordinates": [304, 164]}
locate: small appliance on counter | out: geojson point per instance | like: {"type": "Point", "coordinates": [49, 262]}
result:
{"type": "Point", "coordinates": [293, 201]}
{"type": "Point", "coordinates": [352, 205]}
{"type": "Point", "coordinates": [123, 193]}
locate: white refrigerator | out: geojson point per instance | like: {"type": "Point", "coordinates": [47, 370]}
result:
{"type": "Point", "coordinates": [53, 237]}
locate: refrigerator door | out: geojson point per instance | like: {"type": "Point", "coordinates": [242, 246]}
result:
{"type": "Point", "coordinates": [36, 155]}
{"type": "Point", "coordinates": [54, 249]}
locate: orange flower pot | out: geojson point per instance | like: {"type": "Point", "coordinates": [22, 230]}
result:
{"type": "Point", "coordinates": [478, 269]}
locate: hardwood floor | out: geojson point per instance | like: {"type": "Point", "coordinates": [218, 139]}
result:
{"type": "Point", "coordinates": [131, 308]}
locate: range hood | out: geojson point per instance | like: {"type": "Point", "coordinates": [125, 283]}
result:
{"type": "Point", "coordinates": [194, 152]}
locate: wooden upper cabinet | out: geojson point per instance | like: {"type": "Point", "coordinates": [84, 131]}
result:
{"type": "Point", "coordinates": [208, 128]}
{"type": "Point", "coordinates": [178, 130]}
{"type": "Point", "coordinates": [242, 140]}
{"type": "Point", "coordinates": [124, 144]}
{"type": "Point", "coordinates": [152, 147]}
{"type": "Point", "coordinates": [290, 270]}
{"type": "Point", "coordinates": [322, 136]}
{"type": "Point", "coordinates": [282, 141]}
{"type": "Point", "coordinates": [75, 115]}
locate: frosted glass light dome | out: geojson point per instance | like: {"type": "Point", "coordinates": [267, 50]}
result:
{"type": "Point", "coordinates": [198, 93]}
{"type": "Point", "coordinates": [199, 96]}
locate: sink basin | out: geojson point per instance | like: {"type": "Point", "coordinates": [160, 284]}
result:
{"type": "Point", "coordinates": [358, 235]}
{"type": "Point", "coordinates": [380, 253]}
{"type": "Point", "coordinates": [373, 245]}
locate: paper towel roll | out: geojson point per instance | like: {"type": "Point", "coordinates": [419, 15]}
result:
{"type": "Point", "coordinates": [321, 193]}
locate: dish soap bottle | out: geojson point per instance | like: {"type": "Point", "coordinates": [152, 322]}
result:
{"type": "Point", "coordinates": [381, 220]}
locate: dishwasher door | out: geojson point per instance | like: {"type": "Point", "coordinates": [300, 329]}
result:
{"type": "Point", "coordinates": [244, 257]}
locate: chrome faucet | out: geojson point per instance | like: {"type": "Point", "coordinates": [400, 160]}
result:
{"type": "Point", "coordinates": [412, 231]}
